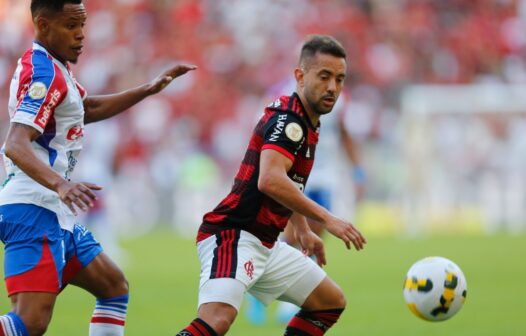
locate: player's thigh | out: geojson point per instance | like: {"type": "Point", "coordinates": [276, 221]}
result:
{"type": "Point", "coordinates": [327, 295]}
{"type": "Point", "coordinates": [219, 302]}
{"type": "Point", "coordinates": [91, 269]}
{"type": "Point", "coordinates": [33, 249]}
{"type": "Point", "coordinates": [289, 276]}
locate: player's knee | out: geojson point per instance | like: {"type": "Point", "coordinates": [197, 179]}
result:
{"type": "Point", "coordinates": [121, 286]}
{"type": "Point", "coordinates": [340, 300]}
{"type": "Point", "coordinates": [118, 285]}
{"type": "Point", "coordinates": [336, 299]}
{"type": "Point", "coordinates": [36, 324]}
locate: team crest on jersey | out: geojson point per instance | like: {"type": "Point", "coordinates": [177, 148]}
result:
{"type": "Point", "coordinates": [37, 90]}
{"type": "Point", "coordinates": [75, 132]}
{"type": "Point", "coordinates": [294, 132]}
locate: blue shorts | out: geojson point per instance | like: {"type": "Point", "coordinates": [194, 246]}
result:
{"type": "Point", "coordinates": [322, 196]}
{"type": "Point", "coordinates": [39, 255]}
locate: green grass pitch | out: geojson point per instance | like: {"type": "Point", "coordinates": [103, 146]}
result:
{"type": "Point", "coordinates": [163, 274]}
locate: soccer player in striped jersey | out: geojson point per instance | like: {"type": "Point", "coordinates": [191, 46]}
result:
{"type": "Point", "coordinates": [237, 241]}
{"type": "Point", "coordinates": [45, 247]}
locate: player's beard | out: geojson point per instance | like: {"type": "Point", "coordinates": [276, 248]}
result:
{"type": "Point", "coordinates": [320, 109]}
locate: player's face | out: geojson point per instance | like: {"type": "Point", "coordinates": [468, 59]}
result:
{"type": "Point", "coordinates": [65, 36]}
{"type": "Point", "coordinates": [323, 82]}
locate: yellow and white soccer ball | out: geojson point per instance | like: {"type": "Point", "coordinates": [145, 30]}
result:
{"type": "Point", "coordinates": [435, 288]}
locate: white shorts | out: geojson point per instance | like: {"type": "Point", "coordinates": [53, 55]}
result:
{"type": "Point", "coordinates": [235, 261]}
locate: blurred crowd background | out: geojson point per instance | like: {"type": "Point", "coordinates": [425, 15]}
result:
{"type": "Point", "coordinates": [173, 156]}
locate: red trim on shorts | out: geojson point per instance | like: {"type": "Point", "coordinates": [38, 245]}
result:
{"type": "Point", "coordinates": [279, 149]}
{"type": "Point", "coordinates": [73, 266]}
{"type": "Point", "coordinates": [224, 254]}
{"type": "Point", "coordinates": [41, 278]}
{"type": "Point", "coordinates": [107, 320]}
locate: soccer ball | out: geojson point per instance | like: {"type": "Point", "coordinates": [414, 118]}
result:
{"type": "Point", "coordinates": [435, 288]}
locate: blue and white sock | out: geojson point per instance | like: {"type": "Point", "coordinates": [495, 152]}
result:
{"type": "Point", "coordinates": [12, 325]}
{"type": "Point", "coordinates": [109, 317]}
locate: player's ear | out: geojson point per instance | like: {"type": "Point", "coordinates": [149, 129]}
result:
{"type": "Point", "coordinates": [299, 75]}
{"type": "Point", "coordinates": [41, 24]}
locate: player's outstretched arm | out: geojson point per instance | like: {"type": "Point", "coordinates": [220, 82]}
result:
{"type": "Point", "coordinates": [274, 182]}
{"type": "Point", "coordinates": [103, 107]}
{"type": "Point", "coordinates": [311, 243]}
{"type": "Point", "coordinates": [19, 150]}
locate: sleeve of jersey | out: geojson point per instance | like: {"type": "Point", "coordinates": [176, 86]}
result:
{"type": "Point", "coordinates": [42, 89]}
{"type": "Point", "coordinates": [284, 133]}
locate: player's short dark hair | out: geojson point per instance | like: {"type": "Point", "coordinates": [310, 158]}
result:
{"type": "Point", "coordinates": [323, 44]}
{"type": "Point", "coordinates": [50, 6]}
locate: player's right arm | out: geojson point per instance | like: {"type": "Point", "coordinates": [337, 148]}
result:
{"type": "Point", "coordinates": [19, 150]}
{"type": "Point", "coordinates": [274, 182]}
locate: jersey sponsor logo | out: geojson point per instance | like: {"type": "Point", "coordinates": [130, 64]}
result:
{"type": "Point", "coordinates": [75, 132]}
{"type": "Point", "coordinates": [294, 132]}
{"type": "Point", "coordinates": [55, 97]}
{"type": "Point", "coordinates": [280, 125]}
{"type": "Point", "coordinates": [298, 178]}
{"type": "Point", "coordinates": [249, 268]}
{"type": "Point", "coordinates": [37, 90]}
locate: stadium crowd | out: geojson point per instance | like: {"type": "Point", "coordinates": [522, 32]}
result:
{"type": "Point", "coordinates": [242, 48]}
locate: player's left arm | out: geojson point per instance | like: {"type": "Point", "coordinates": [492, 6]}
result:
{"type": "Point", "coordinates": [311, 243]}
{"type": "Point", "coordinates": [98, 108]}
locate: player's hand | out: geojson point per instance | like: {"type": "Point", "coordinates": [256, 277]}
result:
{"type": "Point", "coordinates": [311, 244]}
{"type": "Point", "coordinates": [78, 195]}
{"type": "Point", "coordinates": [168, 76]}
{"type": "Point", "coordinates": [346, 232]}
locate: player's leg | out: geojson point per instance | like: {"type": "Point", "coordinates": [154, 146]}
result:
{"type": "Point", "coordinates": [91, 269]}
{"type": "Point", "coordinates": [286, 310]}
{"type": "Point", "coordinates": [292, 277]}
{"type": "Point", "coordinates": [33, 246]}
{"type": "Point", "coordinates": [230, 262]}
{"type": "Point", "coordinates": [219, 303]}
{"type": "Point", "coordinates": [30, 315]}
{"type": "Point", "coordinates": [319, 312]}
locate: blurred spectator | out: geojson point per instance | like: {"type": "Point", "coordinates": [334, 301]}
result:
{"type": "Point", "coordinates": [242, 47]}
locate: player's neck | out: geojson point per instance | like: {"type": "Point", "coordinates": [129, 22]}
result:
{"type": "Point", "coordinates": [313, 116]}
{"type": "Point", "coordinates": [42, 42]}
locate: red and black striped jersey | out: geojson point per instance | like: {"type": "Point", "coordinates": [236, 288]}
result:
{"type": "Point", "coordinates": [286, 128]}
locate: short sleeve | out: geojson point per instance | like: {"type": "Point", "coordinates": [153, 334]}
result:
{"type": "Point", "coordinates": [285, 133]}
{"type": "Point", "coordinates": [42, 89]}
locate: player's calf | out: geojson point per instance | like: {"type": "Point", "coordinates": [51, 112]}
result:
{"type": "Point", "coordinates": [219, 317]}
